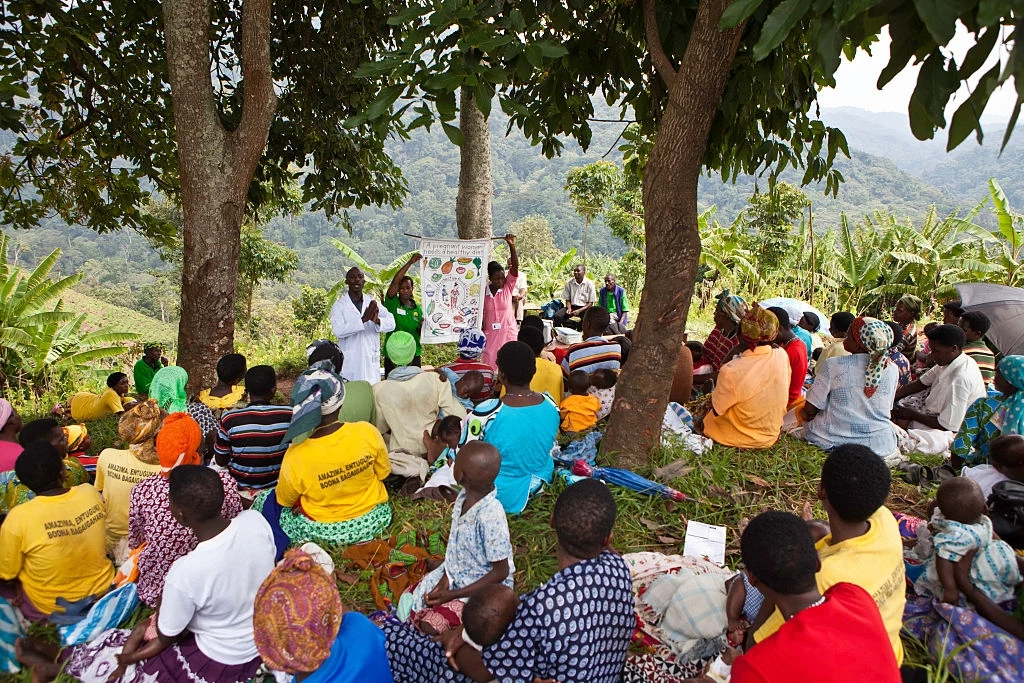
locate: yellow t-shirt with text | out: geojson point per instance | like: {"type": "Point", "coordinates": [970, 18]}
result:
{"type": "Point", "coordinates": [55, 546]}
{"type": "Point", "coordinates": [873, 561]}
{"type": "Point", "coordinates": [117, 473]}
{"type": "Point", "coordinates": [336, 477]}
{"type": "Point", "coordinates": [86, 406]}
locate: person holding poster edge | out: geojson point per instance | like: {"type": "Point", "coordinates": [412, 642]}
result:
{"type": "Point", "coordinates": [499, 319]}
{"type": "Point", "coordinates": [408, 314]}
{"type": "Point", "coordinates": [357, 322]}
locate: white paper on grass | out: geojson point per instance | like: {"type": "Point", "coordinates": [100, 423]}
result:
{"type": "Point", "coordinates": [705, 541]}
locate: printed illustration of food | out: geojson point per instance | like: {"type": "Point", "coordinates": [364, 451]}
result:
{"type": "Point", "coordinates": [452, 287]}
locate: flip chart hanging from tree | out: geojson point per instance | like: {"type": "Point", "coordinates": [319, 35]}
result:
{"type": "Point", "coordinates": [452, 281]}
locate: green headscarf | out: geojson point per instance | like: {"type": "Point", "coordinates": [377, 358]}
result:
{"type": "Point", "coordinates": [168, 388]}
{"type": "Point", "coordinates": [401, 348]}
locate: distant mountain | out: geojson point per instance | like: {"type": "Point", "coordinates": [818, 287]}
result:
{"type": "Point", "coordinates": [889, 171]}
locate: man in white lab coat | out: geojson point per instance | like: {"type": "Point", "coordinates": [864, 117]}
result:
{"type": "Point", "coordinates": [357, 322]}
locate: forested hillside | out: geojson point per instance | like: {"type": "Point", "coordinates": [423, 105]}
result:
{"type": "Point", "coordinates": [910, 178]}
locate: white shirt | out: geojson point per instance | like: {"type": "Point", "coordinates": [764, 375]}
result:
{"type": "Point", "coordinates": [211, 590]}
{"type": "Point", "coordinates": [986, 477]}
{"type": "Point", "coordinates": [519, 292]}
{"type": "Point", "coordinates": [579, 293]}
{"type": "Point", "coordinates": [954, 388]}
{"type": "Point", "coordinates": [359, 341]}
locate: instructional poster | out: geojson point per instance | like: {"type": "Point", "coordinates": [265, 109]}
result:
{"type": "Point", "coordinates": [452, 281]}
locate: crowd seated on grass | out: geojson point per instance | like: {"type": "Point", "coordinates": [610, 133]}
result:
{"type": "Point", "coordinates": [210, 523]}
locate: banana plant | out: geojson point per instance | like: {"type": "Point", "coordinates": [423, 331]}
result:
{"type": "Point", "coordinates": [1006, 251]}
{"type": "Point", "coordinates": [547, 276]}
{"type": "Point", "coordinates": [37, 336]}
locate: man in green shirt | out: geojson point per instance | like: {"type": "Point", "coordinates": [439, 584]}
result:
{"type": "Point", "coordinates": [612, 298]}
{"type": "Point", "coordinates": [152, 360]}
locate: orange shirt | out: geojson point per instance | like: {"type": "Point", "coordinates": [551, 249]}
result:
{"type": "Point", "coordinates": [750, 399]}
{"type": "Point", "coordinates": [579, 412]}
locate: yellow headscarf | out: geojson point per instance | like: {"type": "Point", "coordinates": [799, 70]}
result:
{"type": "Point", "coordinates": [138, 427]}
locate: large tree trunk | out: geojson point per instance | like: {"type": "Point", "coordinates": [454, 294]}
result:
{"type": "Point", "coordinates": [216, 167]}
{"type": "Point", "coordinates": [670, 220]}
{"type": "Point", "coordinates": [473, 205]}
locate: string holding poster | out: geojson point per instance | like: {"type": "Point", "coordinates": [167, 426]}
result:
{"type": "Point", "coordinates": [452, 281]}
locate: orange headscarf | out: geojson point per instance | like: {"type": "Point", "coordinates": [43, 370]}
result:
{"type": "Point", "coordinates": [178, 441]}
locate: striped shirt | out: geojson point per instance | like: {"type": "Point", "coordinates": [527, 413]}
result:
{"type": "Point", "coordinates": [461, 366]}
{"type": "Point", "coordinates": [596, 353]}
{"type": "Point", "coordinates": [250, 438]}
{"type": "Point", "coordinates": [982, 355]}
{"type": "Point", "coordinates": [717, 347]}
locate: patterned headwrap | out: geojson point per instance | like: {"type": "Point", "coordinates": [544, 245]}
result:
{"type": "Point", "coordinates": [152, 345]}
{"type": "Point", "coordinates": [6, 410]}
{"type": "Point", "coordinates": [732, 305]}
{"type": "Point", "coordinates": [318, 391]}
{"type": "Point", "coordinates": [296, 615]}
{"type": "Point", "coordinates": [471, 344]}
{"type": "Point", "coordinates": [178, 442]}
{"type": "Point", "coordinates": [400, 348]}
{"type": "Point", "coordinates": [759, 325]}
{"type": "Point", "coordinates": [912, 303]}
{"type": "Point", "coordinates": [77, 435]}
{"type": "Point", "coordinates": [138, 426]}
{"type": "Point", "coordinates": [1012, 408]}
{"type": "Point", "coordinates": [168, 388]}
{"type": "Point", "coordinates": [874, 337]}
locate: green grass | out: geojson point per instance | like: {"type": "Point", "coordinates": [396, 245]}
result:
{"type": "Point", "coordinates": [725, 486]}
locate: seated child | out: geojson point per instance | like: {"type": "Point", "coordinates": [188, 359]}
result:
{"type": "Point", "coordinates": [697, 351]}
{"type": "Point", "coordinates": [466, 387]}
{"type": "Point", "coordinates": [923, 358]}
{"type": "Point", "coordinates": [742, 603]}
{"type": "Point", "coordinates": [54, 544]}
{"type": "Point", "coordinates": [86, 406]}
{"type": "Point", "coordinates": [602, 385]}
{"type": "Point", "coordinates": [12, 491]}
{"type": "Point", "coordinates": [441, 442]}
{"type": "Point", "coordinates": [579, 409]}
{"type": "Point", "coordinates": [487, 616]}
{"type": "Point", "coordinates": [479, 551]}
{"type": "Point", "coordinates": [229, 390]}
{"type": "Point", "coordinates": [959, 525]}
{"type": "Point", "coordinates": [79, 443]}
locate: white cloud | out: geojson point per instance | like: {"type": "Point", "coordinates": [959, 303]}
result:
{"type": "Point", "coordinates": [856, 82]}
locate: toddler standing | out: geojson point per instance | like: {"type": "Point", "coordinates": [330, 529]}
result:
{"type": "Point", "coordinates": [479, 552]}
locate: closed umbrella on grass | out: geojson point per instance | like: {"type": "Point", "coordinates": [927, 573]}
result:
{"type": "Point", "coordinates": [626, 479]}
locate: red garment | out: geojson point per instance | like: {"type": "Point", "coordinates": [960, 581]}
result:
{"type": "Point", "coordinates": [797, 352]}
{"type": "Point", "coordinates": [842, 640]}
{"type": "Point", "coordinates": [461, 366]}
{"type": "Point", "coordinates": [717, 347]}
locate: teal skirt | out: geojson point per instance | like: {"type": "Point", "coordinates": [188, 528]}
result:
{"type": "Point", "coordinates": [301, 529]}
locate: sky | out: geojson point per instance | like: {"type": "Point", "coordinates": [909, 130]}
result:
{"type": "Point", "coordinates": [855, 83]}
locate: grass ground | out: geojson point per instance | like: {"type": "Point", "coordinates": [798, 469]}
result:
{"type": "Point", "coordinates": [726, 486]}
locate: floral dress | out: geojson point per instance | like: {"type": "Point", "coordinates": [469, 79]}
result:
{"type": "Point", "coordinates": [150, 522]}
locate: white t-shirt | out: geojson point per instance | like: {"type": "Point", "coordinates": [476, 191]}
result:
{"type": "Point", "coordinates": [954, 388]}
{"type": "Point", "coordinates": [211, 590]}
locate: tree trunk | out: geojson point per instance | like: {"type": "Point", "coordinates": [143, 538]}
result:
{"type": "Point", "coordinates": [473, 205]}
{"type": "Point", "coordinates": [216, 167]}
{"type": "Point", "coordinates": [670, 220]}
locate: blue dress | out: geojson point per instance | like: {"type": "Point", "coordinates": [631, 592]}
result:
{"type": "Point", "coordinates": [524, 437]}
{"type": "Point", "coordinates": [357, 656]}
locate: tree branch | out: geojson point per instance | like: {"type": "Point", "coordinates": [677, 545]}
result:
{"type": "Point", "coordinates": [258, 98]}
{"type": "Point", "coordinates": [661, 62]}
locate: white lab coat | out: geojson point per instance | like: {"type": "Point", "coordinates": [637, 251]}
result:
{"type": "Point", "coordinates": [359, 341]}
